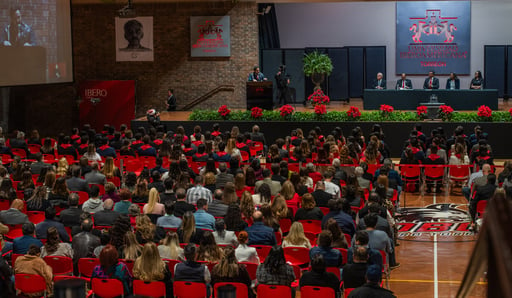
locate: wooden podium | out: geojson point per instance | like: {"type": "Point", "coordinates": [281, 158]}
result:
{"type": "Point", "coordinates": [260, 94]}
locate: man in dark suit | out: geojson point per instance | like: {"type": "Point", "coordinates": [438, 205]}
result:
{"type": "Point", "coordinates": [321, 197]}
{"type": "Point", "coordinates": [171, 100]}
{"type": "Point", "coordinates": [107, 216]}
{"type": "Point", "coordinates": [71, 217]}
{"type": "Point", "coordinates": [75, 183]}
{"type": "Point", "coordinates": [431, 82]}
{"type": "Point", "coordinates": [403, 83]}
{"type": "Point", "coordinates": [223, 177]}
{"type": "Point", "coordinates": [354, 274]}
{"type": "Point", "coordinates": [379, 82]}
{"type": "Point", "coordinates": [483, 193]}
{"type": "Point", "coordinates": [50, 221]}
{"type": "Point", "coordinates": [19, 142]}
{"type": "Point", "coordinates": [21, 244]}
{"type": "Point", "coordinates": [257, 136]}
{"type": "Point", "coordinates": [14, 215]}
{"type": "Point", "coordinates": [36, 167]}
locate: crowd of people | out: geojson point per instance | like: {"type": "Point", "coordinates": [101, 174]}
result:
{"type": "Point", "coordinates": [199, 193]}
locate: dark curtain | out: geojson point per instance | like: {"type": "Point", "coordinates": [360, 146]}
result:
{"type": "Point", "coordinates": [268, 31]}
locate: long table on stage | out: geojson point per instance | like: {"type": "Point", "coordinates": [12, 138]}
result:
{"type": "Point", "coordinates": [410, 99]}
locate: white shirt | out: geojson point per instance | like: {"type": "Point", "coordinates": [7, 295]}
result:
{"type": "Point", "coordinates": [332, 189]}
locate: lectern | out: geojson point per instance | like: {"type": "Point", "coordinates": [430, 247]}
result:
{"type": "Point", "coordinates": [260, 94]}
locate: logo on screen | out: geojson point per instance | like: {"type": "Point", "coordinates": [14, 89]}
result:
{"type": "Point", "coordinates": [433, 25]}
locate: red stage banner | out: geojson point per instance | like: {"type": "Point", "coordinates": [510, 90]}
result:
{"type": "Point", "coordinates": [107, 102]}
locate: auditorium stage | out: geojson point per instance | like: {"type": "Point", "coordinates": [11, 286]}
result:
{"type": "Point", "coordinates": [333, 106]}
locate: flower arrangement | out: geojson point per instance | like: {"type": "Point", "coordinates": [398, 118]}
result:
{"type": "Point", "coordinates": [318, 98]}
{"type": "Point", "coordinates": [354, 112]}
{"type": "Point", "coordinates": [286, 111]}
{"type": "Point", "coordinates": [445, 112]}
{"type": "Point", "coordinates": [386, 110]}
{"type": "Point", "coordinates": [484, 112]}
{"type": "Point", "coordinates": [320, 110]}
{"type": "Point", "coordinates": [224, 111]}
{"type": "Point", "coordinates": [421, 111]}
{"type": "Point", "coordinates": [256, 112]}
{"type": "Point", "coordinates": [510, 112]}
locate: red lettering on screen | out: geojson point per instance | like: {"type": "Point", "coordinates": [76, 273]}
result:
{"type": "Point", "coordinates": [435, 227]}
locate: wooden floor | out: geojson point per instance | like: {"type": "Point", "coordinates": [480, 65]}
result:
{"type": "Point", "coordinates": [333, 106]}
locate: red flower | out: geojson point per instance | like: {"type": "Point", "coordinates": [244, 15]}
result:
{"type": "Point", "coordinates": [320, 109]}
{"type": "Point", "coordinates": [354, 112]}
{"type": "Point", "coordinates": [510, 111]}
{"type": "Point", "coordinates": [386, 108]}
{"type": "Point", "coordinates": [421, 111]}
{"type": "Point", "coordinates": [286, 110]}
{"type": "Point", "coordinates": [446, 109]}
{"type": "Point", "coordinates": [484, 112]}
{"type": "Point", "coordinates": [256, 112]}
{"type": "Point", "coordinates": [318, 97]}
{"type": "Point", "coordinates": [224, 111]}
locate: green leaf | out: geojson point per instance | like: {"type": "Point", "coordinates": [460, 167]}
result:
{"type": "Point", "coordinates": [317, 63]}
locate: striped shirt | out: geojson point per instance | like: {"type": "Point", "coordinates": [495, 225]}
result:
{"type": "Point", "coordinates": [198, 192]}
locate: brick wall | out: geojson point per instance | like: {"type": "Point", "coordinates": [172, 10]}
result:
{"type": "Point", "coordinates": [53, 109]}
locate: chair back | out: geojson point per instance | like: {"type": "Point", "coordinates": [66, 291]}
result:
{"type": "Point", "coordinates": [107, 288]}
{"type": "Point", "coordinates": [285, 225]}
{"type": "Point", "coordinates": [36, 216]}
{"type": "Point", "coordinates": [296, 255]}
{"type": "Point", "coordinates": [82, 196]}
{"type": "Point", "coordinates": [460, 172]}
{"type": "Point", "coordinates": [480, 208]}
{"type": "Point", "coordinates": [240, 289]}
{"type": "Point", "coordinates": [30, 283]}
{"type": "Point", "coordinates": [312, 237]}
{"type": "Point", "coordinates": [251, 268]}
{"type": "Point", "coordinates": [274, 291]}
{"type": "Point", "coordinates": [86, 266]}
{"type": "Point", "coordinates": [410, 172]}
{"type": "Point", "coordinates": [263, 251]}
{"type": "Point", "coordinates": [347, 292]}
{"type": "Point", "coordinates": [310, 225]}
{"type": "Point", "coordinates": [188, 289]}
{"type": "Point", "coordinates": [334, 270]}
{"type": "Point", "coordinates": [344, 255]}
{"type": "Point", "coordinates": [434, 172]}
{"type": "Point", "coordinates": [60, 265]}
{"type": "Point", "coordinates": [315, 292]}
{"type": "Point", "coordinates": [171, 264]}
{"type": "Point", "coordinates": [149, 289]}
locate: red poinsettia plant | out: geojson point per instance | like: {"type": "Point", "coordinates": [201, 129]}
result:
{"type": "Point", "coordinates": [421, 111]}
{"type": "Point", "coordinates": [445, 112]}
{"type": "Point", "coordinates": [484, 112]}
{"type": "Point", "coordinates": [224, 111]}
{"type": "Point", "coordinates": [354, 112]}
{"type": "Point", "coordinates": [318, 98]}
{"type": "Point", "coordinates": [256, 112]}
{"type": "Point", "coordinates": [386, 110]}
{"type": "Point", "coordinates": [286, 111]}
{"type": "Point", "coordinates": [320, 110]}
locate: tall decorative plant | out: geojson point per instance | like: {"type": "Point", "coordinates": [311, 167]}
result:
{"type": "Point", "coordinates": [317, 66]}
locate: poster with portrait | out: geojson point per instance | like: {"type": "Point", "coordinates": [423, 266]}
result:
{"type": "Point", "coordinates": [210, 36]}
{"type": "Point", "coordinates": [134, 39]}
{"type": "Point", "coordinates": [433, 35]}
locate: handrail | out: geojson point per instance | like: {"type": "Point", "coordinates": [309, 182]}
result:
{"type": "Point", "coordinates": [207, 95]}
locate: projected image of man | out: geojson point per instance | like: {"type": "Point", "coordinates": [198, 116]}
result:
{"type": "Point", "coordinates": [133, 33]}
{"type": "Point", "coordinates": [17, 33]}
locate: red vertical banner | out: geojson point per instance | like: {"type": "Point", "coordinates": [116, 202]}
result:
{"type": "Point", "coordinates": [107, 102]}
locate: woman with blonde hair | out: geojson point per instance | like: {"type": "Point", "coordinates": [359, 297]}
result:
{"type": "Point", "coordinates": [149, 267]}
{"type": "Point", "coordinates": [279, 207]}
{"type": "Point", "coordinates": [288, 193]}
{"type": "Point", "coordinates": [91, 153]}
{"type": "Point", "coordinates": [62, 167]}
{"type": "Point", "coordinates": [53, 245]}
{"type": "Point", "coordinates": [131, 249]}
{"type": "Point", "coordinates": [188, 232]}
{"type": "Point", "coordinates": [232, 150]}
{"type": "Point", "coordinates": [145, 229]}
{"type": "Point", "coordinates": [228, 270]}
{"type": "Point", "coordinates": [169, 247]}
{"type": "Point", "coordinates": [109, 169]}
{"type": "Point", "coordinates": [296, 237]}
{"type": "Point", "coordinates": [154, 206]}
{"type": "Point", "coordinates": [246, 205]}
{"type": "Point", "coordinates": [208, 249]}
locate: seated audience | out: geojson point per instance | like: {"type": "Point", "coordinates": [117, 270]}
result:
{"type": "Point", "coordinates": [245, 253]}
{"type": "Point", "coordinates": [191, 270]}
{"type": "Point", "coordinates": [338, 238]}
{"type": "Point", "coordinates": [124, 204]}
{"type": "Point", "coordinates": [38, 201]}
{"type": "Point", "coordinates": [319, 277]}
{"type": "Point", "coordinates": [228, 270]}
{"type": "Point", "coordinates": [169, 220]}
{"type": "Point", "coordinates": [107, 216]}
{"type": "Point", "coordinates": [110, 267]}
{"type": "Point", "coordinates": [154, 206]}
{"type": "Point", "coordinates": [14, 215]}
{"type": "Point", "coordinates": [353, 275]}
{"type": "Point", "coordinates": [343, 219]}
{"type": "Point", "coordinates": [149, 267]}
{"type": "Point", "coordinates": [332, 257]}
{"type": "Point", "coordinates": [188, 232]}
{"type": "Point", "coordinates": [222, 236]}
{"type": "Point", "coordinates": [296, 237]}
{"type": "Point", "coordinates": [208, 249]}
{"type": "Point", "coordinates": [53, 246]}
{"type": "Point", "coordinates": [94, 203]}
{"type": "Point", "coordinates": [372, 286]}
{"type": "Point", "coordinates": [32, 263]}
{"type": "Point", "coordinates": [203, 219]}
{"type": "Point", "coordinates": [21, 244]}
{"type": "Point", "coordinates": [259, 234]}
{"type": "Point", "coordinates": [274, 270]}
{"type": "Point", "coordinates": [308, 209]}
{"type": "Point", "coordinates": [50, 221]}
{"type": "Point", "coordinates": [71, 217]}
{"type": "Point", "coordinates": [169, 247]}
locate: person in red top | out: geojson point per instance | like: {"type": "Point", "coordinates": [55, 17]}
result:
{"type": "Point", "coordinates": [216, 130]}
{"type": "Point", "coordinates": [146, 149]}
{"type": "Point", "coordinates": [241, 144]}
{"type": "Point", "coordinates": [201, 154]}
{"type": "Point", "coordinates": [188, 148]}
{"type": "Point", "coordinates": [65, 148]}
{"type": "Point", "coordinates": [105, 150]}
{"type": "Point", "coordinates": [433, 159]}
{"type": "Point", "coordinates": [138, 142]}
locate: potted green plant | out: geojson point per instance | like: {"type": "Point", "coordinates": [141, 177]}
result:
{"type": "Point", "coordinates": [317, 66]}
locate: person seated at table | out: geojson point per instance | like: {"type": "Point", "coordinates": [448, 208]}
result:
{"type": "Point", "coordinates": [379, 82]}
{"type": "Point", "coordinates": [453, 82]}
{"type": "Point", "coordinates": [477, 83]}
{"type": "Point", "coordinates": [256, 75]}
{"type": "Point", "coordinates": [403, 83]}
{"type": "Point", "coordinates": [431, 82]}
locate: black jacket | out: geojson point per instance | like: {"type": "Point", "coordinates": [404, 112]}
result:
{"type": "Point", "coordinates": [105, 217]}
{"type": "Point", "coordinates": [70, 217]}
{"type": "Point", "coordinates": [325, 279]}
{"type": "Point", "coordinates": [371, 290]}
{"type": "Point", "coordinates": [354, 275]}
{"type": "Point", "coordinates": [321, 198]}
